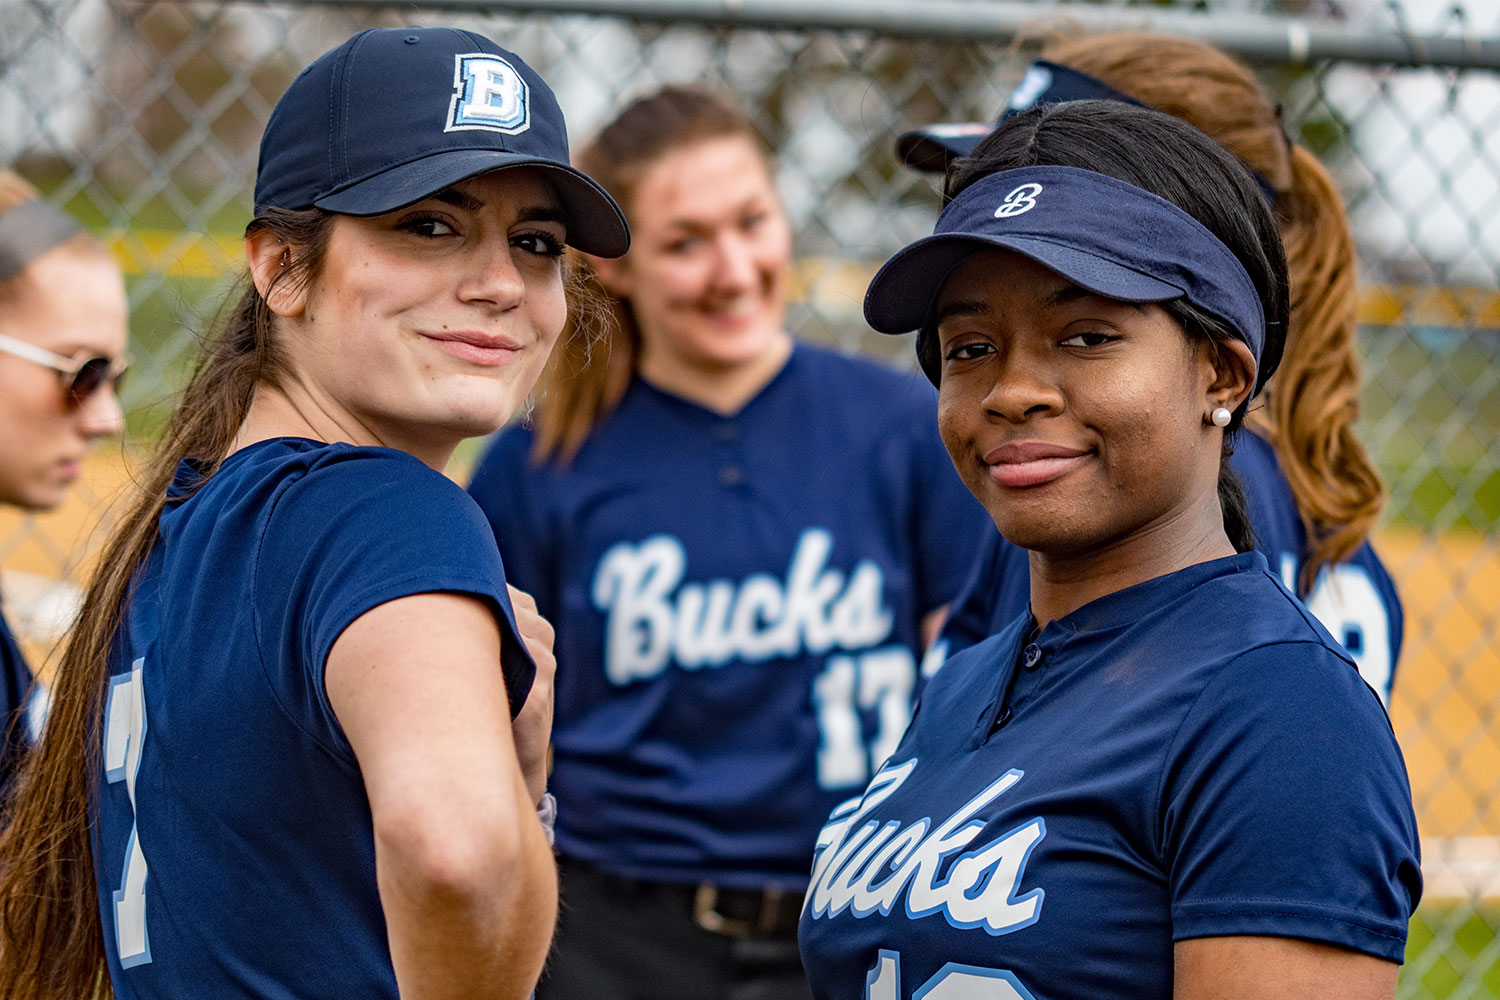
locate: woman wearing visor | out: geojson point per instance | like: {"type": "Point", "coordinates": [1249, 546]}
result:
{"type": "Point", "coordinates": [1313, 494]}
{"type": "Point", "coordinates": [297, 748]}
{"type": "Point", "coordinates": [1165, 779]}
{"type": "Point", "coordinates": [62, 355]}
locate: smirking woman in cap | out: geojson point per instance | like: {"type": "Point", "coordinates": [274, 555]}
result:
{"type": "Point", "coordinates": [1165, 779]}
{"type": "Point", "coordinates": [297, 746]}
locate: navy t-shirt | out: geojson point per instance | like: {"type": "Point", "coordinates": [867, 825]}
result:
{"type": "Point", "coordinates": [1356, 600]}
{"type": "Point", "coordinates": [233, 844]}
{"type": "Point", "coordinates": [738, 603]}
{"type": "Point", "coordinates": [15, 687]}
{"type": "Point", "coordinates": [1193, 756]}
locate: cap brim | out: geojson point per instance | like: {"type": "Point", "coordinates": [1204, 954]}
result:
{"type": "Point", "coordinates": [595, 223]}
{"type": "Point", "coordinates": [901, 295]}
{"type": "Point", "coordinates": [932, 148]}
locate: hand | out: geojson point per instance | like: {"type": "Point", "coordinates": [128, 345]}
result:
{"type": "Point", "coordinates": [533, 726]}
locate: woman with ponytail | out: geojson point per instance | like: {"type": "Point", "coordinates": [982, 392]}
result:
{"type": "Point", "coordinates": [298, 740]}
{"type": "Point", "coordinates": [1313, 492]}
{"type": "Point", "coordinates": [743, 561]}
{"type": "Point", "coordinates": [1163, 780]}
{"type": "Point", "coordinates": [62, 355]}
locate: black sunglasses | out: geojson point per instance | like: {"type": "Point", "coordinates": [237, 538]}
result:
{"type": "Point", "coordinates": [80, 379]}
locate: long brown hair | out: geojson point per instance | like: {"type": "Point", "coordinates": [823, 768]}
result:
{"type": "Point", "coordinates": [598, 353]}
{"type": "Point", "coordinates": [51, 940]}
{"type": "Point", "coordinates": [1313, 399]}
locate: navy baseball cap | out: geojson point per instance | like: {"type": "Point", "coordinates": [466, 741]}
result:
{"type": "Point", "coordinates": [930, 149]}
{"type": "Point", "coordinates": [395, 115]}
{"type": "Point", "coordinates": [1102, 234]}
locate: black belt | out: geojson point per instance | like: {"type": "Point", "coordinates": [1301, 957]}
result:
{"type": "Point", "coordinates": [739, 913]}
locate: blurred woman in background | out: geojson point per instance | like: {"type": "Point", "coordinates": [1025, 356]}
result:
{"type": "Point", "coordinates": [744, 543]}
{"type": "Point", "coordinates": [62, 355]}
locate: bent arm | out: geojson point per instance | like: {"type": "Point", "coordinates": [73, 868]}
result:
{"type": "Point", "coordinates": [466, 878]}
{"type": "Point", "coordinates": [1270, 968]}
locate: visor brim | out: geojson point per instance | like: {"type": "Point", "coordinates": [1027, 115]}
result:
{"type": "Point", "coordinates": [931, 149]}
{"type": "Point", "coordinates": [902, 293]}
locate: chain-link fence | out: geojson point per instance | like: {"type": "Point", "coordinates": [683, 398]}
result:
{"type": "Point", "coordinates": [142, 118]}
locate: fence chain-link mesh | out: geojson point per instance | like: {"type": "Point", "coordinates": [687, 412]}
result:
{"type": "Point", "coordinates": [142, 119]}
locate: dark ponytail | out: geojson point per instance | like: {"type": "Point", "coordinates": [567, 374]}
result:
{"type": "Point", "coordinates": [1236, 510]}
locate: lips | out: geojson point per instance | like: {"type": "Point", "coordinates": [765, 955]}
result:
{"type": "Point", "coordinates": [1020, 464]}
{"type": "Point", "coordinates": [735, 312]}
{"type": "Point", "coordinates": [476, 347]}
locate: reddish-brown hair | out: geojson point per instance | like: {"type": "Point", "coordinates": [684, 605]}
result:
{"type": "Point", "coordinates": [1313, 399]}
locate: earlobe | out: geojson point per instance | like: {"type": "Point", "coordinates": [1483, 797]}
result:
{"type": "Point", "coordinates": [1232, 379]}
{"type": "Point", "coordinates": [269, 260]}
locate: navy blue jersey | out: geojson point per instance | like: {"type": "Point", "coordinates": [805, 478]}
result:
{"type": "Point", "coordinates": [233, 842]}
{"type": "Point", "coordinates": [1190, 757]}
{"type": "Point", "coordinates": [1356, 600]}
{"type": "Point", "coordinates": [15, 689]}
{"type": "Point", "coordinates": [737, 603]}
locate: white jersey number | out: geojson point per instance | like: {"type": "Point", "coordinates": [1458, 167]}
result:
{"type": "Point", "coordinates": [1346, 601]}
{"type": "Point", "coordinates": [124, 731]}
{"type": "Point", "coordinates": [880, 679]}
{"type": "Point", "coordinates": [951, 982]}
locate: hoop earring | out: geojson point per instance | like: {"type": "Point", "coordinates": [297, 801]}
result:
{"type": "Point", "coordinates": [1220, 417]}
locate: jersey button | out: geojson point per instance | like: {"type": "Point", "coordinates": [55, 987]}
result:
{"type": "Point", "coordinates": [1001, 719]}
{"type": "Point", "coordinates": [731, 475]}
{"type": "Point", "coordinates": [1032, 657]}
{"type": "Point", "coordinates": [726, 432]}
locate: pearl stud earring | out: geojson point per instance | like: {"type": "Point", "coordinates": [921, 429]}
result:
{"type": "Point", "coordinates": [1220, 417]}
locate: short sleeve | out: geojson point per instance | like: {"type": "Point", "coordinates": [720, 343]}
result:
{"type": "Point", "coordinates": [950, 524]}
{"type": "Point", "coordinates": [359, 528]}
{"type": "Point", "coordinates": [1286, 809]}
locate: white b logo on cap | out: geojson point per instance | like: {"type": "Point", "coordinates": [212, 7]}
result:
{"type": "Point", "coordinates": [1022, 199]}
{"type": "Point", "coordinates": [488, 94]}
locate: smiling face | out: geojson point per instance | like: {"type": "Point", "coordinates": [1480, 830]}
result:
{"type": "Point", "coordinates": [706, 275]}
{"type": "Point", "coordinates": [430, 324]}
{"type": "Point", "coordinates": [1077, 420]}
{"type": "Point", "coordinates": [70, 301]}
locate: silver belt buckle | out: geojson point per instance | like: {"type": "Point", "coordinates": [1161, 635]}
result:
{"type": "Point", "coordinates": [706, 913]}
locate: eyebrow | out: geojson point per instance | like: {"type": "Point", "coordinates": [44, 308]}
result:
{"type": "Point", "coordinates": [754, 202]}
{"type": "Point", "coordinates": [1064, 295]}
{"type": "Point", "coordinates": [468, 203]}
{"type": "Point", "coordinates": [542, 213]}
{"type": "Point", "coordinates": [459, 199]}
{"type": "Point", "coordinates": [1072, 293]}
{"type": "Point", "coordinates": [963, 307]}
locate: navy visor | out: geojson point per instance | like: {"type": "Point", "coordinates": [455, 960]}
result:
{"type": "Point", "coordinates": [1104, 235]}
{"type": "Point", "coordinates": [931, 148]}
